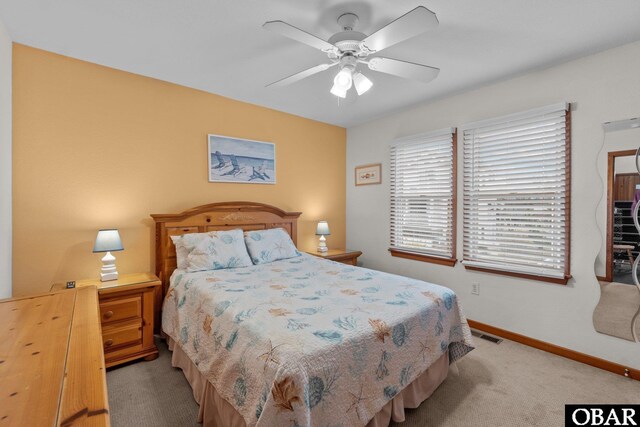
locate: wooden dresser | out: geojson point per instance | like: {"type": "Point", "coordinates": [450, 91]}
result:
{"type": "Point", "coordinates": [127, 311]}
{"type": "Point", "coordinates": [52, 370]}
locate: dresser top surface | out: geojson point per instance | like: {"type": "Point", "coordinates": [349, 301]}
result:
{"type": "Point", "coordinates": [128, 280]}
{"type": "Point", "coordinates": [40, 359]}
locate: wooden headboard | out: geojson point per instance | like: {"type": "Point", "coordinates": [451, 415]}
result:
{"type": "Point", "coordinates": [215, 216]}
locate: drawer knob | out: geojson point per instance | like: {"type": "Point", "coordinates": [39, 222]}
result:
{"type": "Point", "coordinates": [107, 343]}
{"type": "Point", "coordinates": [108, 314]}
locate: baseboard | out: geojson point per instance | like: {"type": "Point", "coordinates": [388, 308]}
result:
{"type": "Point", "coordinates": [557, 350]}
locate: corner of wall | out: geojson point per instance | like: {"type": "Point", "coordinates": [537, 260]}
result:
{"type": "Point", "coordinates": [6, 228]}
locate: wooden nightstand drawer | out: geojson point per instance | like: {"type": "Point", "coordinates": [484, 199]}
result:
{"type": "Point", "coordinates": [117, 336]}
{"type": "Point", "coordinates": [112, 310]}
{"type": "Point", "coordinates": [124, 354]}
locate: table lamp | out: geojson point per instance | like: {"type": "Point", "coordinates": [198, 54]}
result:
{"type": "Point", "coordinates": [108, 241]}
{"type": "Point", "coordinates": [322, 230]}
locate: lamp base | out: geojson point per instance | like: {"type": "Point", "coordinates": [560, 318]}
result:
{"type": "Point", "coordinates": [109, 276]}
{"type": "Point", "coordinates": [108, 271]}
{"type": "Point", "coordinates": [322, 244]}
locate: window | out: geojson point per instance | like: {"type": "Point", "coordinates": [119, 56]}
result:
{"type": "Point", "coordinates": [517, 194]}
{"type": "Point", "coordinates": [423, 186]}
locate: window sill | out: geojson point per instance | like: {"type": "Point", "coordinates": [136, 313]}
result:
{"type": "Point", "coordinates": [558, 281]}
{"type": "Point", "coordinates": [449, 262]}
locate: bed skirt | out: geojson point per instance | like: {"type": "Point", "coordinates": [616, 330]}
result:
{"type": "Point", "coordinates": [216, 411]}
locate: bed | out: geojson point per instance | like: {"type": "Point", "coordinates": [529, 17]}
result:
{"type": "Point", "coordinates": [301, 341]}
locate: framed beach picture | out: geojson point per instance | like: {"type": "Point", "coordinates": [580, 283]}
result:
{"type": "Point", "coordinates": [369, 174]}
{"type": "Point", "coordinates": [241, 160]}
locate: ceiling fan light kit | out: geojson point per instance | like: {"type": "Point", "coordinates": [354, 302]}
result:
{"type": "Point", "coordinates": [362, 83]}
{"type": "Point", "coordinates": [338, 91]}
{"type": "Point", "coordinates": [344, 78]}
{"type": "Point", "coordinates": [350, 49]}
{"type": "Point", "coordinates": [342, 82]}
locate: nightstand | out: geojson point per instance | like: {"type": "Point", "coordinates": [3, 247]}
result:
{"type": "Point", "coordinates": [126, 316]}
{"type": "Point", "coordinates": [340, 255]}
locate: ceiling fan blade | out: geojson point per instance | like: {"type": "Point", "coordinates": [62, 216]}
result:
{"type": "Point", "coordinates": [299, 35]}
{"type": "Point", "coordinates": [408, 70]}
{"type": "Point", "coordinates": [407, 26]}
{"type": "Point", "coordinates": [302, 75]}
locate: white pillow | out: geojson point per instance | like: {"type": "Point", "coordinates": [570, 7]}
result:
{"type": "Point", "coordinates": [216, 250]}
{"type": "Point", "coordinates": [181, 252]}
{"type": "Point", "coordinates": [270, 245]}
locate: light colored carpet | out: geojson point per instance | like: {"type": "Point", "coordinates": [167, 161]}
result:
{"type": "Point", "coordinates": [151, 394]}
{"type": "Point", "coordinates": [505, 384]}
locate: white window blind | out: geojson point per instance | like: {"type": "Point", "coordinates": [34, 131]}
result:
{"type": "Point", "coordinates": [515, 193]}
{"type": "Point", "coordinates": [422, 188]}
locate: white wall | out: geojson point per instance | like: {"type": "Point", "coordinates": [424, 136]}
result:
{"type": "Point", "coordinates": [604, 87]}
{"type": "Point", "coordinates": [5, 162]}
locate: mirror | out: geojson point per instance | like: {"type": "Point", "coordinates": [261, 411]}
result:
{"type": "Point", "coordinates": [618, 310]}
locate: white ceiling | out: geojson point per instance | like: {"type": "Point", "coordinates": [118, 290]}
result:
{"type": "Point", "coordinates": [220, 46]}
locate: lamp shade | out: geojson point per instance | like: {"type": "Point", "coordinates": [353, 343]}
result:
{"type": "Point", "coordinates": [361, 83]}
{"type": "Point", "coordinates": [339, 91]}
{"type": "Point", "coordinates": [323, 229]}
{"type": "Point", "coordinates": [108, 241]}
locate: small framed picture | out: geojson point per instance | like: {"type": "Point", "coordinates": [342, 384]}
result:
{"type": "Point", "coordinates": [369, 174]}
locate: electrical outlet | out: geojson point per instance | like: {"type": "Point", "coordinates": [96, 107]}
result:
{"type": "Point", "coordinates": [71, 284]}
{"type": "Point", "coordinates": [475, 288]}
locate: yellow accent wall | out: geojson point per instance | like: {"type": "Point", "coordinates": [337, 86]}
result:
{"type": "Point", "coordinates": [94, 147]}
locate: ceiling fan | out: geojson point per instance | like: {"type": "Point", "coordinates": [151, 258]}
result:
{"type": "Point", "coordinates": [348, 49]}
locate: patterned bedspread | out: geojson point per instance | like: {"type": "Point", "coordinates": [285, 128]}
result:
{"type": "Point", "coordinates": [311, 342]}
